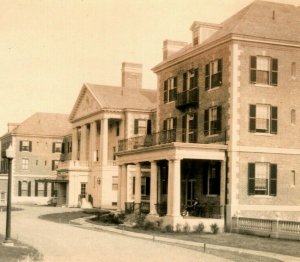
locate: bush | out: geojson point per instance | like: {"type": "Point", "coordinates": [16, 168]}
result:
{"type": "Point", "coordinates": [178, 228]}
{"type": "Point", "coordinates": [199, 228]}
{"type": "Point", "coordinates": [148, 225]}
{"type": "Point", "coordinates": [214, 228]}
{"type": "Point", "coordinates": [168, 229]}
{"type": "Point", "coordinates": [186, 228]}
{"type": "Point", "coordinates": [139, 220]}
{"type": "Point", "coordinates": [112, 218]}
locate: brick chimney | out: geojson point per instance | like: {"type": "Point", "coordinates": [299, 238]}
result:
{"type": "Point", "coordinates": [132, 75]}
{"type": "Point", "coordinates": [171, 47]}
{"type": "Point", "coordinates": [12, 126]}
{"type": "Point", "coordinates": [202, 31]}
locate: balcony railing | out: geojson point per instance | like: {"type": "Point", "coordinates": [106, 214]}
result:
{"type": "Point", "coordinates": [169, 136]}
{"type": "Point", "coordinates": [188, 98]}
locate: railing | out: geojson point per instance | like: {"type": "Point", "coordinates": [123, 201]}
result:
{"type": "Point", "coordinates": [72, 164]}
{"type": "Point", "coordinates": [132, 207]}
{"type": "Point", "coordinates": [267, 227]}
{"type": "Point", "coordinates": [188, 97]}
{"type": "Point", "coordinates": [169, 136]}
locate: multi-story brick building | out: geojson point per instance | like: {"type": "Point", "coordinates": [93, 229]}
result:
{"type": "Point", "coordinates": [38, 144]}
{"type": "Point", "coordinates": [227, 127]}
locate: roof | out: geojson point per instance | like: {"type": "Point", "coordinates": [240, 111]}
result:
{"type": "Point", "coordinates": [44, 124]}
{"type": "Point", "coordinates": [261, 19]}
{"type": "Point", "coordinates": [124, 98]}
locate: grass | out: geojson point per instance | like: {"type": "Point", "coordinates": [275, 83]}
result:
{"type": "Point", "coordinates": [65, 217]}
{"type": "Point", "coordinates": [18, 252]}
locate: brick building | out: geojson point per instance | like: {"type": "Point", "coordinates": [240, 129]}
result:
{"type": "Point", "coordinates": [227, 127]}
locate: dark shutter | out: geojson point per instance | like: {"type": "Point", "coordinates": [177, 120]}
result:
{"type": "Point", "coordinates": [133, 185]}
{"type": "Point", "coordinates": [21, 145]}
{"type": "Point", "coordinates": [207, 76]}
{"type": "Point", "coordinates": [252, 118]}
{"type": "Point", "coordinates": [196, 76]}
{"type": "Point", "coordinates": [136, 126]}
{"type": "Point", "coordinates": [165, 91]}
{"type": "Point", "coordinates": [29, 188]}
{"type": "Point", "coordinates": [45, 189]}
{"type": "Point", "coordinates": [274, 72]}
{"type": "Point", "coordinates": [52, 189]}
{"type": "Point", "coordinates": [184, 86]}
{"type": "Point", "coordinates": [251, 178]}
{"type": "Point", "coordinates": [63, 147]}
{"type": "Point", "coordinates": [273, 180]}
{"type": "Point", "coordinates": [253, 69]}
{"type": "Point", "coordinates": [206, 122]}
{"type": "Point", "coordinates": [20, 188]}
{"type": "Point", "coordinates": [220, 68]}
{"type": "Point", "coordinates": [183, 128]}
{"type": "Point", "coordinates": [195, 139]}
{"type": "Point", "coordinates": [175, 81]}
{"type": "Point", "coordinates": [174, 122]}
{"type": "Point", "coordinates": [53, 165]}
{"type": "Point", "coordinates": [53, 147]}
{"type": "Point", "coordinates": [274, 116]}
{"type": "Point", "coordinates": [149, 127]}
{"type": "Point", "coordinates": [30, 146]}
{"type": "Point", "coordinates": [165, 125]}
{"type": "Point", "coordinates": [219, 119]}
{"type": "Point", "coordinates": [36, 188]}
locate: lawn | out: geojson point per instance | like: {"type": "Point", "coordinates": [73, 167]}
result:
{"type": "Point", "coordinates": [18, 252]}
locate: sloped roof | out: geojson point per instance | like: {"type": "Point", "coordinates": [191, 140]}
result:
{"type": "Point", "coordinates": [124, 98]}
{"type": "Point", "coordinates": [44, 124]}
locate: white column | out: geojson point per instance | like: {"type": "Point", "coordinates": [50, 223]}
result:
{"type": "Point", "coordinates": [104, 141]}
{"type": "Point", "coordinates": [83, 141]}
{"type": "Point", "coordinates": [124, 186]}
{"type": "Point", "coordinates": [93, 134]}
{"type": "Point", "coordinates": [174, 188]}
{"type": "Point", "coordinates": [137, 195]}
{"type": "Point", "coordinates": [223, 187]}
{"type": "Point", "coordinates": [74, 144]}
{"type": "Point", "coordinates": [153, 188]}
{"type": "Point", "coordinates": [119, 208]}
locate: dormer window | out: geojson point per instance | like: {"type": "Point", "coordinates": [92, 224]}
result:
{"type": "Point", "coordinates": [196, 37]}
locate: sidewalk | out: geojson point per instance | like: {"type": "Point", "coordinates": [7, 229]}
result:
{"type": "Point", "coordinates": [82, 222]}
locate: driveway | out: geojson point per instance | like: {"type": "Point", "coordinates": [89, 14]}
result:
{"type": "Point", "coordinates": [63, 242]}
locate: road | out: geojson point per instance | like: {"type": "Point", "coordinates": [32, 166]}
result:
{"type": "Point", "coordinates": [64, 243]}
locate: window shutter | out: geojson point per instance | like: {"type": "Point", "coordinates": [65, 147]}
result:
{"type": "Point", "coordinates": [29, 188]}
{"type": "Point", "coordinates": [274, 116]}
{"type": "Point", "coordinates": [175, 81]}
{"type": "Point", "coordinates": [206, 122]}
{"type": "Point", "coordinates": [183, 127]}
{"type": "Point", "coordinates": [220, 68]}
{"type": "Point", "coordinates": [149, 127]}
{"type": "Point", "coordinates": [274, 72]}
{"type": "Point", "coordinates": [165, 91]}
{"type": "Point", "coordinates": [196, 76]}
{"type": "Point", "coordinates": [252, 118]}
{"type": "Point", "coordinates": [251, 178]}
{"type": "Point", "coordinates": [174, 122]}
{"type": "Point", "coordinates": [30, 146]}
{"type": "Point", "coordinates": [184, 86]}
{"type": "Point", "coordinates": [20, 188]}
{"type": "Point", "coordinates": [253, 69]}
{"type": "Point", "coordinates": [207, 76]}
{"type": "Point", "coordinates": [136, 126]}
{"type": "Point", "coordinates": [53, 165]}
{"type": "Point", "coordinates": [219, 118]}
{"type": "Point", "coordinates": [52, 189]}
{"type": "Point", "coordinates": [45, 189]}
{"type": "Point", "coordinates": [36, 188]}
{"type": "Point", "coordinates": [165, 126]}
{"type": "Point", "coordinates": [63, 148]}
{"type": "Point", "coordinates": [53, 147]}
{"type": "Point", "coordinates": [273, 180]}
{"type": "Point", "coordinates": [21, 144]}
{"type": "Point", "coordinates": [195, 127]}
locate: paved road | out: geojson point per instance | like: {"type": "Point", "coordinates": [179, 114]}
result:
{"type": "Point", "coordinates": [63, 243]}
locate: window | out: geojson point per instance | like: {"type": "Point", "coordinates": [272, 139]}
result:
{"type": "Point", "coordinates": [25, 162]}
{"type": "Point", "coordinates": [263, 70]}
{"type": "Point", "coordinates": [2, 196]}
{"type": "Point", "coordinates": [170, 89]}
{"type": "Point", "coordinates": [293, 70]}
{"type": "Point", "coordinates": [115, 181]}
{"type": "Point", "coordinates": [293, 177]}
{"type": "Point", "coordinates": [169, 130]}
{"type": "Point", "coordinates": [24, 189]}
{"type": "Point", "coordinates": [55, 164]}
{"type": "Point", "coordinates": [140, 126]}
{"type": "Point", "coordinates": [262, 179]}
{"type": "Point", "coordinates": [56, 147]}
{"type": "Point", "coordinates": [41, 188]}
{"type": "Point", "coordinates": [26, 145]}
{"type": "Point", "coordinates": [213, 74]}
{"type": "Point", "coordinates": [211, 180]}
{"type": "Point", "coordinates": [69, 147]}
{"type": "Point", "coordinates": [189, 128]}
{"type": "Point", "coordinates": [213, 121]}
{"type": "Point", "coordinates": [117, 129]}
{"type": "Point", "coordinates": [190, 79]}
{"type": "Point", "coordinates": [133, 185]}
{"type": "Point", "coordinates": [83, 190]}
{"type": "Point", "coordinates": [293, 116]}
{"type": "Point", "coordinates": [263, 119]}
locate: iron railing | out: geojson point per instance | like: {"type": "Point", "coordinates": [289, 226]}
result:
{"type": "Point", "coordinates": [187, 98]}
{"type": "Point", "coordinates": [170, 136]}
{"type": "Point", "coordinates": [132, 207]}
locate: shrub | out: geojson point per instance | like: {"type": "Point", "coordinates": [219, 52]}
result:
{"type": "Point", "coordinates": [186, 228]}
{"type": "Point", "coordinates": [168, 228]}
{"type": "Point", "coordinates": [140, 220]}
{"type": "Point", "coordinates": [199, 228]}
{"type": "Point", "coordinates": [178, 228]}
{"type": "Point", "coordinates": [112, 218]}
{"type": "Point", "coordinates": [148, 225]}
{"type": "Point", "coordinates": [214, 228]}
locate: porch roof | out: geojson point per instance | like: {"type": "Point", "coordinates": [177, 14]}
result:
{"type": "Point", "coordinates": [173, 150]}
{"type": "Point", "coordinates": [52, 180]}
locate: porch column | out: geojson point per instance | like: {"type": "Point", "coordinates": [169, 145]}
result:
{"type": "Point", "coordinates": [153, 188]}
{"type": "Point", "coordinates": [174, 188]}
{"type": "Point", "coordinates": [93, 139]}
{"type": "Point", "coordinates": [74, 144]}
{"type": "Point", "coordinates": [222, 188]}
{"type": "Point", "coordinates": [104, 141]}
{"type": "Point", "coordinates": [123, 187]}
{"type": "Point", "coordinates": [137, 195]}
{"type": "Point", "coordinates": [119, 207]}
{"type": "Point", "coordinates": [83, 143]}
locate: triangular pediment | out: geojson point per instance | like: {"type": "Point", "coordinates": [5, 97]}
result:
{"type": "Point", "coordinates": [85, 105]}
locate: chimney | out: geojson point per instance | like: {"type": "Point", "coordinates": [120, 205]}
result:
{"type": "Point", "coordinates": [132, 75]}
{"type": "Point", "coordinates": [202, 31]}
{"type": "Point", "coordinates": [12, 126]}
{"type": "Point", "coordinates": [171, 47]}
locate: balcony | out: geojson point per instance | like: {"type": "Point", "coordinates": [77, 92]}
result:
{"type": "Point", "coordinates": [188, 98]}
{"type": "Point", "coordinates": [169, 136]}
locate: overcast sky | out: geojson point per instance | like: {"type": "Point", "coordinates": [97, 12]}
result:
{"type": "Point", "coordinates": [48, 49]}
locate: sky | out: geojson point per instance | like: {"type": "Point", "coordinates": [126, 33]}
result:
{"type": "Point", "coordinates": [50, 48]}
